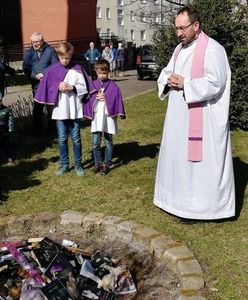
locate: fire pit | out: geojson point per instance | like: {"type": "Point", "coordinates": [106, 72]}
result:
{"type": "Point", "coordinates": [162, 267]}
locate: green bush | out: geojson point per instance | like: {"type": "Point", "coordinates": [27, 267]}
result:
{"type": "Point", "coordinates": [227, 22]}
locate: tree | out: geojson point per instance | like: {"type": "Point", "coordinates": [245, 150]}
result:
{"type": "Point", "coordinates": [227, 22]}
{"type": "Point", "coordinates": [153, 12]}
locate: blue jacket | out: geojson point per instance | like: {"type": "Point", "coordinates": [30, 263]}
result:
{"type": "Point", "coordinates": [92, 55]}
{"type": "Point", "coordinates": [120, 54]}
{"type": "Point", "coordinates": [114, 50]}
{"type": "Point", "coordinates": [33, 65]}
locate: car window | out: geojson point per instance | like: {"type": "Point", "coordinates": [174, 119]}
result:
{"type": "Point", "coordinates": [147, 51]}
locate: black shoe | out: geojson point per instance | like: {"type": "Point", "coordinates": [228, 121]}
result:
{"type": "Point", "coordinates": [105, 170]}
{"type": "Point", "coordinates": [97, 169]}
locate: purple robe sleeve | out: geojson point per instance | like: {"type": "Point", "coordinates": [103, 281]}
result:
{"type": "Point", "coordinates": [113, 97]}
{"type": "Point", "coordinates": [48, 89]}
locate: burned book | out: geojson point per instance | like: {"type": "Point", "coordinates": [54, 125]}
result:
{"type": "Point", "coordinates": [88, 284]}
{"type": "Point", "coordinates": [46, 251]}
{"type": "Point", "coordinates": [44, 256]}
{"type": "Point", "coordinates": [56, 290]}
{"type": "Point", "coordinates": [31, 290]}
{"type": "Point", "coordinates": [59, 267]}
{"type": "Point", "coordinates": [50, 244]}
{"type": "Point", "coordinates": [11, 284]}
{"type": "Point", "coordinates": [125, 284]}
{"type": "Point", "coordinates": [88, 290]}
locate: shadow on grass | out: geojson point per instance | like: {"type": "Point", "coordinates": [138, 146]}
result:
{"type": "Point", "coordinates": [18, 177]}
{"type": "Point", "coordinates": [25, 147]}
{"type": "Point", "coordinates": [241, 179]}
{"type": "Point", "coordinates": [124, 153]}
{"type": "Point", "coordinates": [132, 151]}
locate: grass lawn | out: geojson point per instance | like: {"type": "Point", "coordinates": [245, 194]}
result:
{"type": "Point", "coordinates": [127, 192]}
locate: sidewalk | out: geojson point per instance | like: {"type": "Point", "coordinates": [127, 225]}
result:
{"type": "Point", "coordinates": [129, 85]}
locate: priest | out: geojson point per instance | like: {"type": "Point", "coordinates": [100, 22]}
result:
{"type": "Point", "coordinates": [194, 177]}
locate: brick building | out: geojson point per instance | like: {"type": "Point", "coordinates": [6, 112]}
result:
{"type": "Point", "coordinates": [71, 20]}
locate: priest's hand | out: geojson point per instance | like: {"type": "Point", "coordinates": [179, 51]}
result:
{"type": "Point", "coordinates": [176, 81]}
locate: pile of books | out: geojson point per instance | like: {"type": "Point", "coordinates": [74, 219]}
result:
{"type": "Point", "coordinates": [44, 269]}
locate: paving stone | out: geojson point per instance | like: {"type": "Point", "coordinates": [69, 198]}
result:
{"type": "Point", "coordinates": [162, 243]}
{"type": "Point", "coordinates": [93, 218]}
{"type": "Point", "coordinates": [189, 267]}
{"type": "Point", "coordinates": [125, 237]}
{"type": "Point", "coordinates": [144, 234]}
{"type": "Point", "coordinates": [19, 225]}
{"type": "Point", "coordinates": [126, 226]}
{"type": "Point", "coordinates": [111, 220]}
{"type": "Point", "coordinates": [191, 283]}
{"type": "Point", "coordinates": [11, 220]}
{"type": "Point", "coordinates": [45, 217]}
{"type": "Point", "coordinates": [71, 217]}
{"type": "Point", "coordinates": [173, 255]}
{"type": "Point", "coordinates": [182, 297]}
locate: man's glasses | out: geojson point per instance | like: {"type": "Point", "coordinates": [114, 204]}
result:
{"type": "Point", "coordinates": [183, 28]}
{"type": "Point", "coordinates": [37, 42]}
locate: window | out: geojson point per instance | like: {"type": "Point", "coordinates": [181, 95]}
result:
{"type": "Point", "coordinates": [156, 18]}
{"type": "Point", "coordinates": [143, 1]}
{"type": "Point", "coordinates": [98, 12]}
{"type": "Point", "coordinates": [132, 16]}
{"type": "Point", "coordinates": [99, 31]}
{"type": "Point", "coordinates": [156, 2]}
{"type": "Point", "coordinates": [132, 35]}
{"type": "Point", "coordinates": [120, 2]}
{"type": "Point", "coordinates": [108, 32]}
{"type": "Point", "coordinates": [142, 17]}
{"type": "Point", "coordinates": [108, 13]}
{"type": "Point", "coordinates": [142, 35]}
{"type": "Point", "coordinates": [120, 17]}
{"type": "Point", "coordinates": [163, 19]}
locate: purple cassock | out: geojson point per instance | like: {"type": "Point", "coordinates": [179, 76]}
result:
{"type": "Point", "coordinates": [113, 99]}
{"type": "Point", "coordinates": [48, 90]}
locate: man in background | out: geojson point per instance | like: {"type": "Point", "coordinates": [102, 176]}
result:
{"type": "Point", "coordinates": [37, 58]}
{"type": "Point", "coordinates": [92, 55]}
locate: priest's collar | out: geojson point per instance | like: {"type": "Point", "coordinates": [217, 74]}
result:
{"type": "Point", "coordinates": [190, 44]}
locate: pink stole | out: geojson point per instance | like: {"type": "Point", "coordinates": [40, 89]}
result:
{"type": "Point", "coordinates": [196, 109]}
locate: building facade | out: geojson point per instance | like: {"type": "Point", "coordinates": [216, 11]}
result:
{"type": "Point", "coordinates": [133, 21]}
{"type": "Point", "coordinates": [57, 20]}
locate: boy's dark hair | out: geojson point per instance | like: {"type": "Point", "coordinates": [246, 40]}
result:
{"type": "Point", "coordinates": [103, 65]}
{"type": "Point", "coordinates": [193, 14]}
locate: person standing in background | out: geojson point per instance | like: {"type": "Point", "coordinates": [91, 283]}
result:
{"type": "Point", "coordinates": [120, 60]}
{"type": "Point", "coordinates": [114, 51]}
{"type": "Point", "coordinates": [37, 58]}
{"type": "Point", "coordinates": [108, 55]}
{"type": "Point", "coordinates": [92, 55]}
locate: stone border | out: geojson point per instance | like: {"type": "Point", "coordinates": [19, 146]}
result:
{"type": "Point", "coordinates": [176, 256]}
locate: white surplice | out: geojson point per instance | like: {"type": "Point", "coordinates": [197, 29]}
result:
{"type": "Point", "coordinates": [70, 105]}
{"type": "Point", "coordinates": [102, 122]}
{"type": "Point", "coordinates": [197, 190]}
